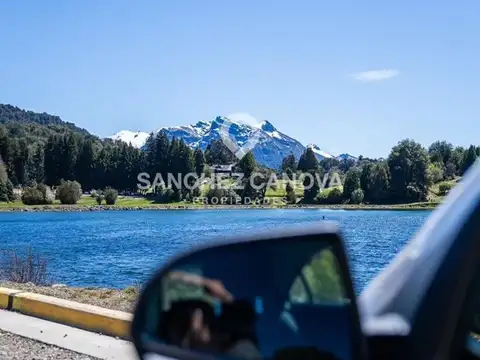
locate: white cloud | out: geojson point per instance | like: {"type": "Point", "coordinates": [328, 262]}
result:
{"type": "Point", "coordinates": [376, 75]}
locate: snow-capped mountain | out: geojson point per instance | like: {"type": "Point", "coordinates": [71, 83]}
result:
{"type": "Point", "coordinates": [270, 145]}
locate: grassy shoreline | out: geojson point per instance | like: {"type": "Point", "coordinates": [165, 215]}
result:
{"type": "Point", "coordinates": [14, 207]}
{"type": "Point", "coordinates": [125, 203]}
{"type": "Point", "coordinates": [274, 200]}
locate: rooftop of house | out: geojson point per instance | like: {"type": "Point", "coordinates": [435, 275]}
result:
{"type": "Point", "coordinates": [224, 167]}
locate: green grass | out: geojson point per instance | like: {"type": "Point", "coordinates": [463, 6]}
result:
{"type": "Point", "coordinates": [121, 201]}
{"type": "Point", "coordinates": [434, 191]}
{"type": "Point", "coordinates": [274, 195]}
{"type": "Point", "coordinates": [16, 204]}
{"type": "Point", "coordinates": [298, 187]}
{"type": "Point", "coordinates": [276, 202]}
{"type": "Point", "coordinates": [86, 201]}
{"type": "Point", "coordinates": [281, 186]}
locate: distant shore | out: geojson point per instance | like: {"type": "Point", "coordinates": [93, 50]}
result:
{"type": "Point", "coordinates": [177, 206]}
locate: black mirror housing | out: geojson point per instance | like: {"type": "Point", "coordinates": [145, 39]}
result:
{"type": "Point", "coordinates": [283, 291]}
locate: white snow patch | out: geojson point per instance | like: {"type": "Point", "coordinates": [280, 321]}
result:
{"type": "Point", "coordinates": [316, 149]}
{"type": "Point", "coordinates": [275, 134]}
{"type": "Point", "coordinates": [243, 118]}
{"type": "Point", "coordinates": [137, 139]}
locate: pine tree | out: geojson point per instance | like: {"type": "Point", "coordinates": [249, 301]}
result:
{"type": "Point", "coordinates": [366, 180]}
{"type": "Point", "coordinates": [10, 193]}
{"type": "Point", "coordinates": [85, 164]}
{"type": "Point", "coordinates": [150, 149]}
{"type": "Point", "coordinates": [186, 165]}
{"type": "Point", "coordinates": [35, 164]}
{"type": "Point", "coordinates": [289, 164]}
{"type": "Point", "coordinates": [311, 186]}
{"type": "Point", "coordinates": [217, 153]}
{"type": "Point", "coordinates": [308, 161]}
{"type": "Point", "coordinates": [199, 162]}
{"type": "Point", "coordinates": [4, 144]}
{"type": "Point", "coordinates": [3, 191]}
{"type": "Point", "coordinates": [247, 164]}
{"type": "Point", "coordinates": [165, 152]}
{"type": "Point", "coordinates": [69, 157]}
{"type": "Point", "coordinates": [3, 171]}
{"type": "Point", "coordinates": [20, 157]}
{"type": "Point", "coordinates": [352, 183]}
{"type": "Point", "coordinates": [130, 158]}
{"type": "Point", "coordinates": [172, 163]}
{"type": "Point", "coordinates": [469, 158]}
{"type": "Point", "coordinates": [49, 164]}
{"type": "Point", "coordinates": [3, 182]}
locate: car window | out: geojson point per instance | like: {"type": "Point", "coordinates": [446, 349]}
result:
{"type": "Point", "coordinates": [176, 290]}
{"type": "Point", "coordinates": [319, 281]}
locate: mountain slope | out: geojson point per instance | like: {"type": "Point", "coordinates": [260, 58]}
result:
{"type": "Point", "coordinates": [271, 145]}
{"type": "Point", "coordinates": [13, 114]}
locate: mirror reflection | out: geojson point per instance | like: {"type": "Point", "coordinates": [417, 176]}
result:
{"type": "Point", "coordinates": [259, 300]}
{"type": "Point", "coordinates": [473, 340]}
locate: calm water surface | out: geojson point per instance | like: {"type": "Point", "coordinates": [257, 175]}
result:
{"type": "Point", "coordinates": [118, 249]}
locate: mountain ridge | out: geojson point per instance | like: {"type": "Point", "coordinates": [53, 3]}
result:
{"type": "Point", "coordinates": [273, 144]}
{"type": "Point", "coordinates": [270, 150]}
{"type": "Point", "coordinates": [13, 114]}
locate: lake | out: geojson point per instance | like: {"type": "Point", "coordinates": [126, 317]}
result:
{"type": "Point", "coordinates": [120, 248]}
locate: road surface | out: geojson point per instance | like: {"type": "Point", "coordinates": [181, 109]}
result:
{"type": "Point", "coordinates": [25, 337]}
{"type": "Point", "coordinates": [19, 348]}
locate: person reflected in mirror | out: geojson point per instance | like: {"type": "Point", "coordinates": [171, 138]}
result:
{"type": "Point", "coordinates": [214, 287]}
{"type": "Point", "coordinates": [235, 329]}
{"type": "Point", "coordinates": [233, 332]}
{"type": "Point", "coordinates": [199, 335]}
{"type": "Point", "coordinates": [187, 324]}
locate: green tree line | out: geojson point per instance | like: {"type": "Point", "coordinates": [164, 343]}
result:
{"type": "Point", "coordinates": [405, 176]}
{"type": "Point", "coordinates": [43, 149]}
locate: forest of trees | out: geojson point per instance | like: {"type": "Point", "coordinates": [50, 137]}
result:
{"type": "Point", "coordinates": [404, 177]}
{"type": "Point", "coordinates": [42, 149]}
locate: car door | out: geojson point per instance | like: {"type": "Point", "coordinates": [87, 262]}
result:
{"type": "Point", "coordinates": [427, 294]}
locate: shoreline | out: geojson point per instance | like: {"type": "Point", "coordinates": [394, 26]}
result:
{"type": "Point", "coordinates": [90, 208]}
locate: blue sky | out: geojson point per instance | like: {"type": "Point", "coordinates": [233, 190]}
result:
{"type": "Point", "coordinates": [303, 65]}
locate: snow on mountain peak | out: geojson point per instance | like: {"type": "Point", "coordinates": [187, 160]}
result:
{"type": "Point", "coordinates": [136, 139]}
{"type": "Point", "coordinates": [242, 119]}
{"type": "Point", "coordinates": [267, 126]}
{"type": "Point", "coordinates": [316, 149]}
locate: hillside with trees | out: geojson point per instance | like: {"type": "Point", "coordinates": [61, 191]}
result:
{"type": "Point", "coordinates": [410, 174]}
{"type": "Point", "coordinates": [17, 118]}
{"type": "Point", "coordinates": [41, 149]}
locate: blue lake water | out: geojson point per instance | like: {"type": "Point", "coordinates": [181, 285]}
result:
{"type": "Point", "coordinates": [121, 248]}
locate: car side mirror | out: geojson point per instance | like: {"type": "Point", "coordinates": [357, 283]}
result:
{"type": "Point", "coordinates": [281, 295]}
